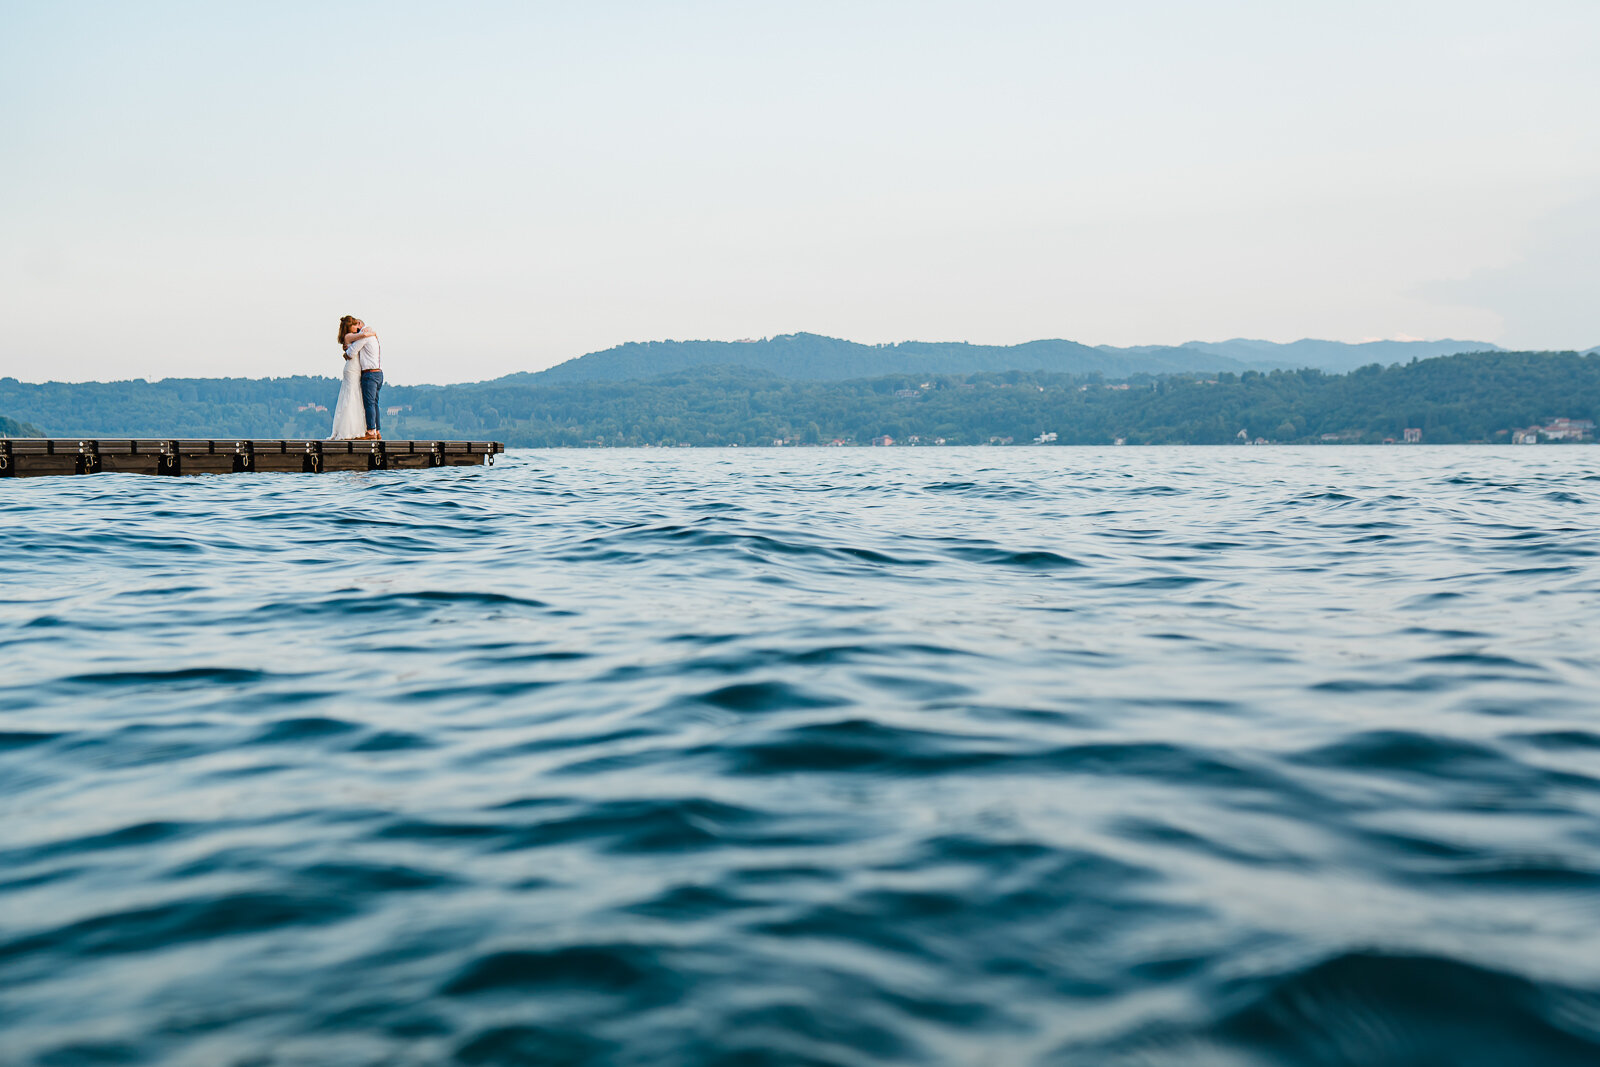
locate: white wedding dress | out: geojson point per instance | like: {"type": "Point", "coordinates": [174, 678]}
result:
{"type": "Point", "coordinates": [349, 414]}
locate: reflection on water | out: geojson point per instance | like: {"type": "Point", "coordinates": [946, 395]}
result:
{"type": "Point", "coordinates": [959, 756]}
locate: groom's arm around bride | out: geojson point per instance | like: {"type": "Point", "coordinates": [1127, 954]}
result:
{"type": "Point", "coordinates": [362, 344]}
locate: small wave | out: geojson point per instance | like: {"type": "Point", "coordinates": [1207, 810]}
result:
{"type": "Point", "coordinates": [631, 545]}
{"type": "Point", "coordinates": [414, 603]}
{"type": "Point", "coordinates": [179, 678]}
{"type": "Point", "coordinates": [10, 739]}
{"type": "Point", "coordinates": [764, 696]}
{"type": "Point", "coordinates": [553, 1045]}
{"type": "Point", "coordinates": [1558, 740]}
{"type": "Point", "coordinates": [192, 919]}
{"type": "Point", "coordinates": [392, 741]}
{"type": "Point", "coordinates": [1389, 1011]}
{"type": "Point", "coordinates": [621, 968]}
{"type": "Point", "coordinates": [136, 835]}
{"type": "Point", "coordinates": [1163, 581]}
{"type": "Point", "coordinates": [1404, 750]}
{"type": "Point", "coordinates": [290, 731]}
{"type": "Point", "coordinates": [855, 745]}
{"type": "Point", "coordinates": [1033, 560]}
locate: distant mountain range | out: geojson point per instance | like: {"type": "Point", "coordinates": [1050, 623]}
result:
{"type": "Point", "coordinates": [808, 356]}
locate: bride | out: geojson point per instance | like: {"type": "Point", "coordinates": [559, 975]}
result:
{"type": "Point", "coordinates": [349, 417]}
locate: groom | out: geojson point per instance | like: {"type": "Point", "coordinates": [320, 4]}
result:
{"type": "Point", "coordinates": [362, 344]}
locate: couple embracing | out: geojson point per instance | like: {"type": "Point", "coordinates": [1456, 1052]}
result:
{"type": "Point", "coordinates": [355, 416]}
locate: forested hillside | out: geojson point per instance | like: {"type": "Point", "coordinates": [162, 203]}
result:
{"type": "Point", "coordinates": [1476, 397]}
{"type": "Point", "coordinates": [1335, 357]}
{"type": "Point", "coordinates": [13, 428]}
{"type": "Point", "coordinates": [175, 407]}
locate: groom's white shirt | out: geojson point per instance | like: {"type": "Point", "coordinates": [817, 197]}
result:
{"type": "Point", "coordinates": [367, 353]}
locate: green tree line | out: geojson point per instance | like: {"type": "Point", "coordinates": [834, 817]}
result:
{"type": "Point", "coordinates": [1477, 397]}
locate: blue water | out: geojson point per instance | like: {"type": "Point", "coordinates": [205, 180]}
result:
{"type": "Point", "coordinates": [968, 756]}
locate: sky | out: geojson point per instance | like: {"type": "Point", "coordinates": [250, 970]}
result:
{"type": "Point", "coordinates": [202, 189]}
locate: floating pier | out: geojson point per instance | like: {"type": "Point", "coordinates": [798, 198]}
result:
{"type": "Point", "coordinates": [23, 457]}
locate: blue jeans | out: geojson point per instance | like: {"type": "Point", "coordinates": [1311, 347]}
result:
{"type": "Point", "coordinates": [371, 382]}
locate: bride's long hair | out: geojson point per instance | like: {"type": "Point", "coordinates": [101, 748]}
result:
{"type": "Point", "coordinates": [344, 326]}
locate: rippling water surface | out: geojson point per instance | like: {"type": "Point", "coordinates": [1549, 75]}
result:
{"type": "Point", "coordinates": [982, 756]}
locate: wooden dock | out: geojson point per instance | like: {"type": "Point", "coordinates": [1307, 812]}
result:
{"type": "Point", "coordinates": [23, 457]}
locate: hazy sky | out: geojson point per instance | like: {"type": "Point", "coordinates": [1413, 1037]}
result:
{"type": "Point", "coordinates": [202, 189]}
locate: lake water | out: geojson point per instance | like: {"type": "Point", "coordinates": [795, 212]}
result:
{"type": "Point", "coordinates": [968, 756]}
